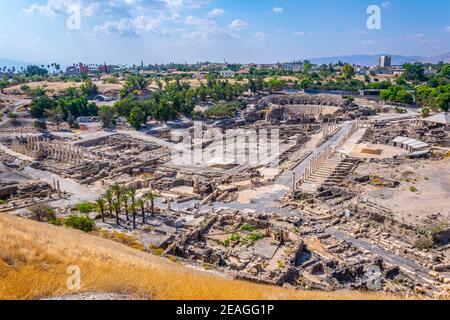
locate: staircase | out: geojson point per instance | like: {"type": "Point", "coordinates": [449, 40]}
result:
{"type": "Point", "coordinates": [318, 178]}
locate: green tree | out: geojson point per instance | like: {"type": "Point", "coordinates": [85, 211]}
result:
{"type": "Point", "coordinates": [100, 206]}
{"type": "Point", "coordinates": [443, 101]}
{"type": "Point", "coordinates": [348, 71]}
{"type": "Point", "coordinates": [124, 199]}
{"type": "Point", "coordinates": [445, 71]}
{"type": "Point", "coordinates": [108, 197]}
{"type": "Point", "coordinates": [414, 72]}
{"type": "Point", "coordinates": [137, 117]}
{"type": "Point", "coordinates": [40, 104]}
{"type": "Point", "coordinates": [151, 196]}
{"type": "Point", "coordinates": [89, 88]}
{"type": "Point", "coordinates": [55, 115]}
{"type": "Point", "coordinates": [141, 203]}
{"type": "Point", "coordinates": [106, 116]}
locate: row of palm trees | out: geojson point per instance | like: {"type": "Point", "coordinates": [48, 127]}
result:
{"type": "Point", "coordinates": [54, 66]}
{"type": "Point", "coordinates": [117, 198]}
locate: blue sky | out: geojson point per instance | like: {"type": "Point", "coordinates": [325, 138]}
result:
{"type": "Point", "coordinates": [161, 31]}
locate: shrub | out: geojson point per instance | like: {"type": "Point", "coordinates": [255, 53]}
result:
{"type": "Point", "coordinates": [83, 223]}
{"type": "Point", "coordinates": [173, 259]}
{"type": "Point", "coordinates": [235, 237]}
{"type": "Point", "coordinates": [226, 110]}
{"type": "Point", "coordinates": [256, 236]}
{"type": "Point", "coordinates": [56, 222]}
{"type": "Point", "coordinates": [42, 212]}
{"type": "Point", "coordinates": [413, 189]}
{"type": "Point", "coordinates": [39, 125]}
{"type": "Point", "coordinates": [424, 243]}
{"type": "Point", "coordinates": [85, 207]}
{"type": "Point", "coordinates": [248, 227]}
{"type": "Point", "coordinates": [75, 125]}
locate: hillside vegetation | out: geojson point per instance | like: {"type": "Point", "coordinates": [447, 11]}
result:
{"type": "Point", "coordinates": [34, 258]}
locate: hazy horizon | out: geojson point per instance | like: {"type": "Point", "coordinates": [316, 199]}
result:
{"type": "Point", "coordinates": [264, 31]}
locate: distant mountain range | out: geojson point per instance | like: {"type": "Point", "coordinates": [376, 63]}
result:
{"type": "Point", "coordinates": [372, 60]}
{"type": "Point", "coordinates": [360, 59]}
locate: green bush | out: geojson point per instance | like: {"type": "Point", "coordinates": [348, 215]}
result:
{"type": "Point", "coordinates": [56, 222]}
{"type": "Point", "coordinates": [85, 207]}
{"type": "Point", "coordinates": [424, 243]}
{"type": "Point", "coordinates": [83, 223]}
{"type": "Point", "coordinates": [256, 236]}
{"type": "Point", "coordinates": [248, 227]}
{"type": "Point", "coordinates": [226, 110]}
{"type": "Point", "coordinates": [235, 237]}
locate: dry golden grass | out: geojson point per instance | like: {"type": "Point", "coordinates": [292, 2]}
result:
{"type": "Point", "coordinates": [34, 258]}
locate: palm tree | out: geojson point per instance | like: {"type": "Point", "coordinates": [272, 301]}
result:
{"type": "Point", "coordinates": [141, 203]}
{"type": "Point", "coordinates": [151, 196]}
{"type": "Point", "coordinates": [116, 206]}
{"type": "Point", "coordinates": [101, 207]}
{"type": "Point", "coordinates": [124, 199]}
{"type": "Point", "coordinates": [108, 196]}
{"type": "Point", "coordinates": [133, 210]}
{"type": "Point", "coordinates": [132, 194]}
{"type": "Point", "coordinates": [117, 191]}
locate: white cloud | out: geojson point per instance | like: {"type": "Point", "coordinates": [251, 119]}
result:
{"type": "Point", "coordinates": [367, 43]}
{"type": "Point", "coordinates": [54, 7]}
{"type": "Point", "coordinates": [135, 25]}
{"type": "Point", "coordinates": [215, 13]}
{"type": "Point", "coordinates": [386, 4]}
{"type": "Point", "coordinates": [299, 33]}
{"type": "Point", "coordinates": [238, 24]}
{"type": "Point", "coordinates": [178, 5]}
{"type": "Point", "coordinates": [422, 38]}
{"type": "Point", "coordinates": [261, 36]}
{"type": "Point", "coordinates": [447, 29]}
{"type": "Point", "coordinates": [277, 10]}
{"type": "Point", "coordinates": [205, 30]}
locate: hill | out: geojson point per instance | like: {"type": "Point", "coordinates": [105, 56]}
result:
{"type": "Point", "coordinates": [34, 258]}
{"type": "Point", "coordinates": [372, 60]}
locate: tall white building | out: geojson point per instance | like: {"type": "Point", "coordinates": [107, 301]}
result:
{"type": "Point", "coordinates": [385, 61]}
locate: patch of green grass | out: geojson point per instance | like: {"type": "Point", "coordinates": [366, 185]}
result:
{"type": "Point", "coordinates": [256, 236]}
{"type": "Point", "coordinates": [248, 227]}
{"type": "Point", "coordinates": [424, 243]}
{"type": "Point", "coordinates": [235, 237]}
{"type": "Point", "coordinates": [56, 222]}
{"type": "Point", "coordinates": [85, 207]}
{"type": "Point", "coordinates": [413, 189]}
{"type": "Point", "coordinates": [83, 223]}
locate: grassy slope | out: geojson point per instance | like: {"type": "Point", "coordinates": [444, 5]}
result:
{"type": "Point", "coordinates": [34, 258]}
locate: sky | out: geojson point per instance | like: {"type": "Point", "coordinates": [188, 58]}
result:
{"type": "Point", "coordinates": [260, 31]}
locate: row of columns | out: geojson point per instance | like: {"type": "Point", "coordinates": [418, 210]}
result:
{"type": "Point", "coordinates": [315, 164]}
{"type": "Point", "coordinates": [319, 159]}
{"type": "Point", "coordinates": [57, 150]}
{"type": "Point", "coordinates": [363, 123]}
{"type": "Point", "coordinates": [56, 186]}
{"type": "Point", "coordinates": [328, 129]}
